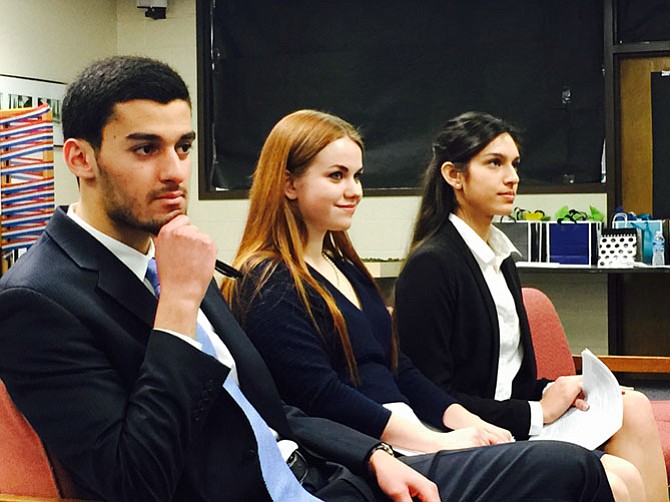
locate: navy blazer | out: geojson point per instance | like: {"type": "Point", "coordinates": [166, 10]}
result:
{"type": "Point", "coordinates": [132, 413]}
{"type": "Point", "coordinates": [448, 325]}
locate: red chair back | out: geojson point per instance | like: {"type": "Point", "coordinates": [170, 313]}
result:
{"type": "Point", "coordinates": [553, 356]}
{"type": "Point", "coordinates": [24, 465]}
{"type": "Point", "coordinates": [552, 351]}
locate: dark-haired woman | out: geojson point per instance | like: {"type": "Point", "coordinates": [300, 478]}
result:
{"type": "Point", "coordinates": [459, 311]}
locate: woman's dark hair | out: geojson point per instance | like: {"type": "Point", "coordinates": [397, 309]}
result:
{"type": "Point", "coordinates": [460, 139]}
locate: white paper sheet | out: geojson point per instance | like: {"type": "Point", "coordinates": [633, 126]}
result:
{"type": "Point", "coordinates": [604, 417]}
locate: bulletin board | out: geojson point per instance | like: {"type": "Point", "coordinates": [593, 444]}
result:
{"type": "Point", "coordinates": [26, 179]}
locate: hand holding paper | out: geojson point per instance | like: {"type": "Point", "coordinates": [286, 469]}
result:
{"type": "Point", "coordinates": [604, 417]}
{"type": "Point", "coordinates": [560, 395]}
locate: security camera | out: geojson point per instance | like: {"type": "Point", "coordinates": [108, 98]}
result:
{"type": "Point", "coordinates": [155, 8]}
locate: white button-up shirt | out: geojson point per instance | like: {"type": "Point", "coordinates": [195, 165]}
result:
{"type": "Point", "coordinates": [489, 256]}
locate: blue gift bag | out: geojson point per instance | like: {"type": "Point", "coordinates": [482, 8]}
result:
{"type": "Point", "coordinates": [573, 243]}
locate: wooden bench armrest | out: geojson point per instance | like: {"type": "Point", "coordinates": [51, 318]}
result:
{"type": "Point", "coordinates": [631, 364]}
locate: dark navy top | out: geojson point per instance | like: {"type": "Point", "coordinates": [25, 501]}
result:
{"type": "Point", "coordinates": [309, 367]}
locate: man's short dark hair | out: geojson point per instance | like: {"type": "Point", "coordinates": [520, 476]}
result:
{"type": "Point", "coordinates": [91, 97]}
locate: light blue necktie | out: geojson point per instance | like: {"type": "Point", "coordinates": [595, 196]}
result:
{"type": "Point", "coordinates": [279, 480]}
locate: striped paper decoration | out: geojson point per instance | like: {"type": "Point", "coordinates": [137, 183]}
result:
{"type": "Point", "coordinates": [26, 178]}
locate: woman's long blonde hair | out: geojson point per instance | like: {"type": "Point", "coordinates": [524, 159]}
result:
{"type": "Point", "coordinates": [275, 231]}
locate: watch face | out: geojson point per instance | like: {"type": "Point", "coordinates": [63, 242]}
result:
{"type": "Point", "coordinates": [387, 448]}
{"type": "Point", "coordinates": [383, 447]}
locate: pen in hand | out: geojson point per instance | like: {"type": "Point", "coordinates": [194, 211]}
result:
{"type": "Point", "coordinates": [227, 270]}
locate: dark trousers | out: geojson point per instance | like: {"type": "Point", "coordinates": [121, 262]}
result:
{"type": "Point", "coordinates": [523, 471]}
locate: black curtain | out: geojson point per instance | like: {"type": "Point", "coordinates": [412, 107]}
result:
{"type": "Point", "coordinates": [643, 20]}
{"type": "Point", "coordinates": [660, 127]}
{"type": "Point", "coordinates": [399, 69]}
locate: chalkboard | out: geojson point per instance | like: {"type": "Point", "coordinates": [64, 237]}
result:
{"type": "Point", "coordinates": [398, 70]}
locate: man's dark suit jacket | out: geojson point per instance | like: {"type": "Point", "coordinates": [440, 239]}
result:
{"type": "Point", "coordinates": [447, 323]}
{"type": "Point", "coordinates": [134, 414]}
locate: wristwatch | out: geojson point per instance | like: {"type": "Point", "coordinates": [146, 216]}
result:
{"type": "Point", "coordinates": [383, 447]}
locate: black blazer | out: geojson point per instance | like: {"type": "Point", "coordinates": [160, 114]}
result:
{"type": "Point", "coordinates": [448, 325]}
{"type": "Point", "coordinates": [134, 414]}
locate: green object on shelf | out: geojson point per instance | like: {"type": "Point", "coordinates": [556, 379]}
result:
{"type": "Point", "coordinates": [565, 214]}
{"type": "Point", "coordinates": [596, 215]}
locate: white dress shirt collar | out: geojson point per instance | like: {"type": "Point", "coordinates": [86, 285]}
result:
{"type": "Point", "coordinates": [130, 257]}
{"type": "Point", "coordinates": [487, 253]}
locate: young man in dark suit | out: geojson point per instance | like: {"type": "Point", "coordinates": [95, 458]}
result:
{"type": "Point", "coordinates": [151, 392]}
